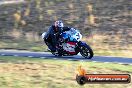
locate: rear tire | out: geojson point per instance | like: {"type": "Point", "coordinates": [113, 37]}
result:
{"type": "Point", "coordinates": [86, 52]}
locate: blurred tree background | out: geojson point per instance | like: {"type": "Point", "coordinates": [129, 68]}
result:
{"type": "Point", "coordinates": [105, 24]}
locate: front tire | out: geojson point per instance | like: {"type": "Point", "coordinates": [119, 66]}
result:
{"type": "Point", "coordinates": [86, 52]}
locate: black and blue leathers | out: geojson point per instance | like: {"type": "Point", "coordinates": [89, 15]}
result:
{"type": "Point", "coordinates": [52, 36]}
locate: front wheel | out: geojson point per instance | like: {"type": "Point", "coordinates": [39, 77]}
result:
{"type": "Point", "coordinates": [86, 52]}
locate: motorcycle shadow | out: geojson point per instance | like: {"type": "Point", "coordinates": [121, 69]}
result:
{"type": "Point", "coordinates": [72, 58]}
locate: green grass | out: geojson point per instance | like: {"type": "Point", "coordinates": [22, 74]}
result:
{"type": "Point", "coordinates": [112, 66]}
{"type": "Point", "coordinates": [23, 72]}
{"type": "Point", "coordinates": [23, 45]}
{"type": "Point", "coordinates": [117, 53]}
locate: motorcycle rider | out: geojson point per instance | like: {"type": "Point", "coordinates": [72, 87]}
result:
{"type": "Point", "coordinates": [52, 35]}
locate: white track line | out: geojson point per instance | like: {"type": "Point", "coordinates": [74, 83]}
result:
{"type": "Point", "coordinates": [94, 61]}
{"type": "Point", "coordinates": [55, 58]}
{"type": "Point", "coordinates": [2, 54]}
{"type": "Point", "coordinates": [81, 60]}
{"type": "Point", "coordinates": [121, 63]}
{"type": "Point", "coordinates": [30, 56]}
{"type": "Point", "coordinates": [73, 60]}
{"type": "Point", "coordinates": [42, 57]}
{"type": "Point", "coordinates": [69, 59]}
{"type": "Point", "coordinates": [15, 55]}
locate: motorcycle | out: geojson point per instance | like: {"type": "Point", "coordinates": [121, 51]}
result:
{"type": "Point", "coordinates": [70, 44]}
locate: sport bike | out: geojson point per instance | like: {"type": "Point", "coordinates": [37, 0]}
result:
{"type": "Point", "coordinates": [70, 44]}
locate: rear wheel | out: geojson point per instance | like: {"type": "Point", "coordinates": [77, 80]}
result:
{"type": "Point", "coordinates": [86, 52]}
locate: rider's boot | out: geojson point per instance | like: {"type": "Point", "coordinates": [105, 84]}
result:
{"type": "Point", "coordinates": [58, 49]}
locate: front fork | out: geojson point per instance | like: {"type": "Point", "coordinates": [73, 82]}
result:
{"type": "Point", "coordinates": [79, 44]}
{"type": "Point", "coordinates": [78, 48]}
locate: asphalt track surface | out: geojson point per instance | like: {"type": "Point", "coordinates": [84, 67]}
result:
{"type": "Point", "coordinates": [48, 55]}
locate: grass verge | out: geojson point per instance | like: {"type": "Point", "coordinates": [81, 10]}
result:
{"type": "Point", "coordinates": [23, 72]}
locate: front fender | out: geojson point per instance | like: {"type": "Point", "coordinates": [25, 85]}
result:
{"type": "Point", "coordinates": [80, 43]}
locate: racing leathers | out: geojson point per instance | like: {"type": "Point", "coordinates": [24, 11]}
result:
{"type": "Point", "coordinates": [52, 36]}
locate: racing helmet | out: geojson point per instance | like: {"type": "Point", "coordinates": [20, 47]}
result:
{"type": "Point", "coordinates": [59, 24]}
